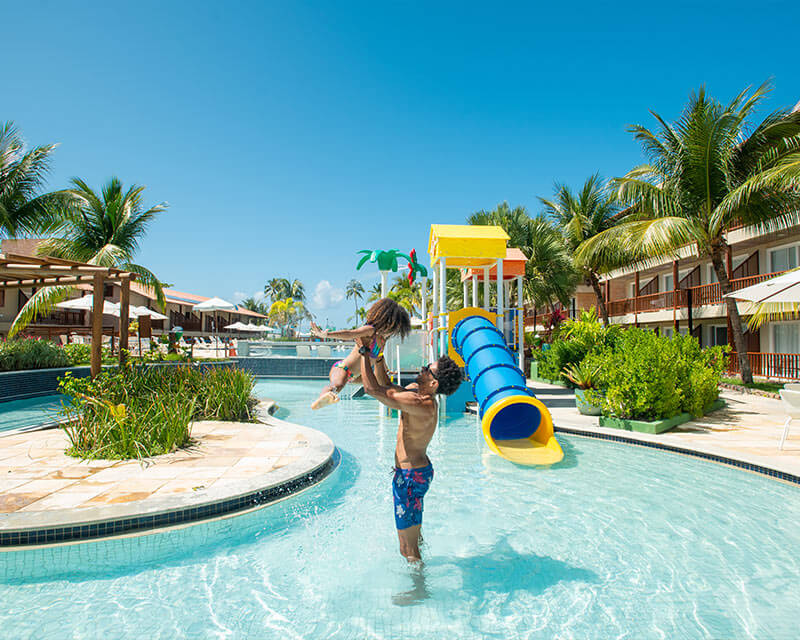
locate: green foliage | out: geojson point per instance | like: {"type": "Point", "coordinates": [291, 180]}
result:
{"type": "Point", "coordinates": [136, 412]}
{"type": "Point", "coordinates": [31, 353]}
{"type": "Point", "coordinates": [78, 354]}
{"type": "Point", "coordinates": [583, 374]}
{"type": "Point", "coordinates": [649, 377]}
{"type": "Point", "coordinates": [772, 387]}
{"type": "Point", "coordinates": [574, 340]}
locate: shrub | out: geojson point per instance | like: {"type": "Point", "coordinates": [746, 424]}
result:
{"type": "Point", "coordinates": [78, 354]}
{"type": "Point", "coordinates": [31, 353]}
{"type": "Point", "coordinates": [137, 412]}
{"type": "Point", "coordinates": [649, 377]}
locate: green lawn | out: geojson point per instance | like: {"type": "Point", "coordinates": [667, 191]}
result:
{"type": "Point", "coordinates": [774, 387]}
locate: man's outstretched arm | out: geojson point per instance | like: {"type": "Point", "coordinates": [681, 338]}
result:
{"type": "Point", "coordinates": [393, 397]}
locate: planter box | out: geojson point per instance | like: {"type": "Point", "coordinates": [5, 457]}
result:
{"type": "Point", "coordinates": [656, 426]}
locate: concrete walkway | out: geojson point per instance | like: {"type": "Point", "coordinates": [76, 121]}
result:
{"type": "Point", "coordinates": [748, 429]}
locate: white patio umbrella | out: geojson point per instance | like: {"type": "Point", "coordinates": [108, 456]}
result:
{"type": "Point", "coordinates": [214, 304]}
{"type": "Point", "coordinates": [86, 303]}
{"type": "Point", "coordinates": [782, 288]}
{"type": "Point", "coordinates": [237, 326]}
{"type": "Point", "coordinates": [776, 296]}
{"type": "Point", "coordinates": [154, 315]}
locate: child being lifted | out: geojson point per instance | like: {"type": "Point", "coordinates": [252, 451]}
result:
{"type": "Point", "coordinates": [385, 318]}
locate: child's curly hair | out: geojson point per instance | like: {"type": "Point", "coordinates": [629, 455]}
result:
{"type": "Point", "coordinates": [389, 318]}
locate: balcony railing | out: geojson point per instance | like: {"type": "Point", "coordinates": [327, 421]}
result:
{"type": "Point", "coordinates": [783, 366]}
{"type": "Point", "coordinates": [701, 295]}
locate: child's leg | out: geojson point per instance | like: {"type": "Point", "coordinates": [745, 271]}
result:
{"type": "Point", "coordinates": [330, 394]}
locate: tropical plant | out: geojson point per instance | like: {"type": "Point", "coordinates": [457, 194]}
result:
{"type": "Point", "coordinates": [287, 313]}
{"type": "Point", "coordinates": [354, 290]}
{"type": "Point", "coordinates": [705, 175]}
{"type": "Point", "coordinates": [405, 294]}
{"type": "Point", "coordinates": [31, 353]}
{"type": "Point", "coordinates": [550, 276]}
{"type": "Point", "coordinates": [23, 208]}
{"type": "Point", "coordinates": [277, 289]}
{"type": "Point", "coordinates": [136, 412]}
{"type": "Point", "coordinates": [582, 374]}
{"type": "Point", "coordinates": [374, 292]}
{"type": "Point", "coordinates": [103, 230]}
{"type": "Point", "coordinates": [582, 216]}
{"type": "Point", "coordinates": [259, 306]}
{"type": "Point", "coordinates": [297, 290]}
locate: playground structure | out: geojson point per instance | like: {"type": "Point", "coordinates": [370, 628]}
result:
{"type": "Point", "coordinates": [515, 424]}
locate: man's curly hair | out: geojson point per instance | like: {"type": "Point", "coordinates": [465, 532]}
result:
{"type": "Point", "coordinates": [448, 373]}
{"type": "Point", "coordinates": [389, 317]}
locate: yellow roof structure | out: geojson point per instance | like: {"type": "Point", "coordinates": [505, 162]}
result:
{"type": "Point", "coordinates": [467, 245]}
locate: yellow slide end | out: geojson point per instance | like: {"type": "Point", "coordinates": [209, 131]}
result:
{"type": "Point", "coordinates": [540, 448]}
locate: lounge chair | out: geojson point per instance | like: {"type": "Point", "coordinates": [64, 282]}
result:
{"type": "Point", "coordinates": [791, 403]}
{"type": "Point", "coordinates": [303, 351]}
{"type": "Point", "coordinates": [324, 351]}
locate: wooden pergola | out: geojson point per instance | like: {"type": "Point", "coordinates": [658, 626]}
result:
{"type": "Point", "coordinates": [22, 271]}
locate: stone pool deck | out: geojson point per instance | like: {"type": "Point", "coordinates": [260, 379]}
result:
{"type": "Point", "coordinates": [230, 468]}
{"type": "Point", "coordinates": [747, 429]}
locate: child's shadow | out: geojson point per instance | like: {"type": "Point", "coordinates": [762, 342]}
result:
{"type": "Point", "coordinates": [503, 569]}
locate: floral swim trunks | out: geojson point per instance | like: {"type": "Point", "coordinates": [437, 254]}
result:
{"type": "Point", "coordinates": [409, 486]}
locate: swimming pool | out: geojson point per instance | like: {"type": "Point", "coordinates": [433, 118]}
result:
{"type": "Point", "coordinates": [30, 412]}
{"type": "Point", "coordinates": [616, 541]}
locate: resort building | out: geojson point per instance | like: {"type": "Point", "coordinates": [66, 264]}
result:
{"type": "Point", "coordinates": [62, 322]}
{"type": "Point", "coordinates": [683, 295]}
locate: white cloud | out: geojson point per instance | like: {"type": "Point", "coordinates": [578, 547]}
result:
{"type": "Point", "coordinates": [326, 295]}
{"type": "Point", "coordinates": [238, 296]}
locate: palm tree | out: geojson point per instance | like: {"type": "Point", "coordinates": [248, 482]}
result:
{"type": "Point", "coordinates": [255, 305]}
{"type": "Point", "coordinates": [550, 275]}
{"type": "Point", "coordinates": [374, 292]}
{"type": "Point", "coordinates": [354, 290]}
{"type": "Point", "coordinates": [582, 216]}
{"type": "Point", "coordinates": [23, 209]}
{"type": "Point", "coordinates": [103, 230]}
{"type": "Point", "coordinates": [513, 221]}
{"type": "Point", "coordinates": [405, 294]}
{"type": "Point", "coordinates": [280, 289]}
{"type": "Point", "coordinates": [297, 290]}
{"type": "Point", "coordinates": [706, 174]}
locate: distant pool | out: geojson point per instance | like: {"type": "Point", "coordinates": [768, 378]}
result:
{"type": "Point", "coordinates": [31, 412]}
{"type": "Point", "coordinates": [616, 541]}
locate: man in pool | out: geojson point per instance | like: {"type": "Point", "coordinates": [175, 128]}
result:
{"type": "Point", "coordinates": [419, 411]}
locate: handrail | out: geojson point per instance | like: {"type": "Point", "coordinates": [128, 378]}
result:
{"type": "Point", "coordinates": [701, 295]}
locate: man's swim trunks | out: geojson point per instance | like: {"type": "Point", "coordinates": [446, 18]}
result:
{"type": "Point", "coordinates": [408, 488]}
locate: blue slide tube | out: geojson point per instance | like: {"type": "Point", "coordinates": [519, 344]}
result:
{"type": "Point", "coordinates": [495, 377]}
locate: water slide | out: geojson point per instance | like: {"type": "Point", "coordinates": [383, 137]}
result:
{"type": "Point", "coordinates": [515, 424]}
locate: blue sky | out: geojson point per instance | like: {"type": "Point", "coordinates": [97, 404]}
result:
{"type": "Point", "coordinates": [286, 136]}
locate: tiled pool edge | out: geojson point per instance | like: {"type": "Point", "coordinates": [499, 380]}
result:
{"type": "Point", "coordinates": [696, 453]}
{"type": "Point", "coordinates": [98, 523]}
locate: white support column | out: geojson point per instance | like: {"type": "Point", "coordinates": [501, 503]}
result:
{"type": "Point", "coordinates": [474, 290]}
{"type": "Point", "coordinates": [434, 340]}
{"type": "Point", "coordinates": [500, 287]}
{"type": "Point", "coordinates": [423, 283]}
{"type": "Point", "coordinates": [384, 275]}
{"type": "Point", "coordinates": [520, 325]}
{"type": "Point", "coordinates": [486, 296]}
{"type": "Point", "coordinates": [442, 307]}
{"type": "Point", "coordinates": [466, 295]}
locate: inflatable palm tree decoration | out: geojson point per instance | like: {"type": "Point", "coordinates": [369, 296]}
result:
{"type": "Point", "coordinates": [386, 261]}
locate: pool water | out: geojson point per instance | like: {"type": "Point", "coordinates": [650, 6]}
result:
{"type": "Point", "coordinates": [30, 412]}
{"type": "Point", "coordinates": [615, 541]}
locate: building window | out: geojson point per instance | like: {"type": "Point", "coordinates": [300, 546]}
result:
{"type": "Point", "coordinates": [668, 283]}
{"type": "Point", "coordinates": [786, 337]}
{"type": "Point", "coordinates": [2, 297]}
{"type": "Point", "coordinates": [782, 260]}
{"type": "Point", "coordinates": [719, 336]}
